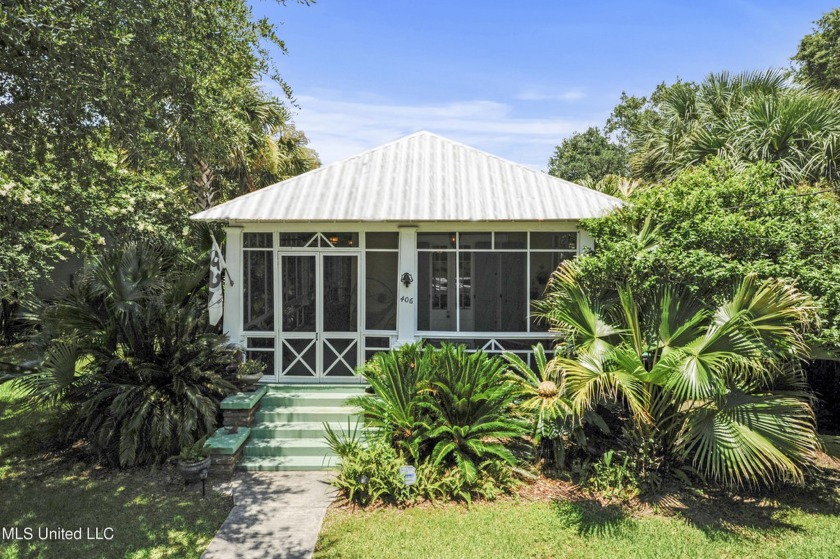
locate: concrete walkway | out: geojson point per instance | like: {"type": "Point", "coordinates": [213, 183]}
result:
{"type": "Point", "coordinates": [275, 515]}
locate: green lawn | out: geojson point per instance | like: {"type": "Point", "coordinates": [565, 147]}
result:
{"type": "Point", "coordinates": [798, 523]}
{"type": "Point", "coordinates": [150, 512]}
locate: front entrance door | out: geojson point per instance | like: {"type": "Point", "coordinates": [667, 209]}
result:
{"type": "Point", "coordinates": [319, 316]}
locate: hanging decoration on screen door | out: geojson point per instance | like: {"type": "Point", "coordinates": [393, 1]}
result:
{"type": "Point", "coordinates": [215, 304]}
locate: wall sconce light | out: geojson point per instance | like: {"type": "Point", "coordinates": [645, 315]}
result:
{"type": "Point", "coordinates": [406, 279]}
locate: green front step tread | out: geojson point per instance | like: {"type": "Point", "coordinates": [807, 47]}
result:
{"type": "Point", "coordinates": [307, 399]}
{"type": "Point", "coordinates": [307, 414]}
{"type": "Point", "coordinates": [286, 463]}
{"type": "Point", "coordinates": [297, 429]}
{"type": "Point", "coordinates": [288, 447]}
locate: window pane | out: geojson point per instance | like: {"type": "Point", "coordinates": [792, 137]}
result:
{"type": "Point", "coordinates": [296, 239]}
{"type": "Point", "coordinates": [554, 241]}
{"type": "Point", "coordinates": [377, 342]}
{"type": "Point", "coordinates": [381, 290]}
{"type": "Point", "coordinates": [542, 265]}
{"type": "Point", "coordinates": [498, 292]}
{"type": "Point", "coordinates": [266, 357]}
{"type": "Point", "coordinates": [382, 240]}
{"type": "Point", "coordinates": [436, 240]}
{"type": "Point", "coordinates": [261, 343]}
{"type": "Point", "coordinates": [341, 240]}
{"type": "Point", "coordinates": [258, 290]}
{"type": "Point", "coordinates": [257, 240]}
{"type": "Point", "coordinates": [475, 240]}
{"type": "Point", "coordinates": [511, 240]}
{"type": "Point", "coordinates": [436, 310]}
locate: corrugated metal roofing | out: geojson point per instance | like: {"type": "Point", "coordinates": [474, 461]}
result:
{"type": "Point", "coordinates": [421, 177]}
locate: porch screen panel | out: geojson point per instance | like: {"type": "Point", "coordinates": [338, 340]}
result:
{"type": "Point", "coordinates": [298, 287]}
{"type": "Point", "coordinates": [500, 298]}
{"type": "Point", "coordinates": [381, 290]}
{"type": "Point", "coordinates": [436, 291]}
{"type": "Point", "coordinates": [258, 290]}
{"type": "Point", "coordinates": [339, 294]}
{"type": "Point", "coordinates": [543, 265]}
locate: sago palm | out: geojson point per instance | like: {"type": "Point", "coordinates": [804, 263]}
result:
{"type": "Point", "coordinates": [471, 396]}
{"type": "Point", "coordinates": [129, 354]}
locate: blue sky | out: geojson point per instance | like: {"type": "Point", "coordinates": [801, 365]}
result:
{"type": "Point", "coordinates": [511, 78]}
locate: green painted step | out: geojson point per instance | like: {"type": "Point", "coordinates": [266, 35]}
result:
{"type": "Point", "coordinates": [315, 388]}
{"type": "Point", "coordinates": [286, 463]}
{"type": "Point", "coordinates": [307, 399]}
{"type": "Point", "coordinates": [306, 414]}
{"type": "Point", "coordinates": [288, 447]}
{"type": "Point", "coordinates": [288, 433]}
{"type": "Point", "coordinates": [294, 430]}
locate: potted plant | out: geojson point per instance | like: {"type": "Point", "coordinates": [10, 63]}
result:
{"type": "Point", "coordinates": [249, 373]}
{"type": "Point", "coordinates": [193, 461]}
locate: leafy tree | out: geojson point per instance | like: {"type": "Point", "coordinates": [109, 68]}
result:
{"type": "Point", "coordinates": [714, 224]}
{"type": "Point", "coordinates": [109, 111]}
{"type": "Point", "coordinates": [716, 387]}
{"type": "Point", "coordinates": [818, 56]}
{"type": "Point", "coordinates": [589, 155]}
{"type": "Point", "coordinates": [743, 118]}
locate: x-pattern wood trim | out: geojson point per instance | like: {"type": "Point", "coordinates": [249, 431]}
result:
{"type": "Point", "coordinates": [299, 356]}
{"type": "Point", "coordinates": [351, 345]}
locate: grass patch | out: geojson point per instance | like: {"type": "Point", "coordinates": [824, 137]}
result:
{"type": "Point", "coordinates": [791, 523]}
{"type": "Point", "coordinates": [151, 513]}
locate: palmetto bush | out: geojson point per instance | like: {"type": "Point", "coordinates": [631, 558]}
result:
{"type": "Point", "coordinates": [718, 389]}
{"type": "Point", "coordinates": [128, 355]}
{"type": "Point", "coordinates": [743, 118]}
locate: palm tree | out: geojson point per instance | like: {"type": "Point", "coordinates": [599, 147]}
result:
{"type": "Point", "coordinates": [719, 388]}
{"type": "Point", "coordinates": [271, 149]}
{"type": "Point", "coordinates": [743, 118]}
{"type": "Point", "coordinates": [267, 149]}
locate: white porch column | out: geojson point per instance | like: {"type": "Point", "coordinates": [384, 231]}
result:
{"type": "Point", "coordinates": [407, 296]}
{"type": "Point", "coordinates": [587, 243]}
{"type": "Point", "coordinates": [232, 318]}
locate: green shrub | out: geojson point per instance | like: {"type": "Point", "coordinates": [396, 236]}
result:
{"type": "Point", "coordinates": [446, 411]}
{"type": "Point", "coordinates": [372, 474]}
{"type": "Point", "coordinates": [128, 354]}
{"type": "Point", "coordinates": [398, 378]}
{"type": "Point", "coordinates": [614, 476]}
{"type": "Point", "coordinates": [470, 405]}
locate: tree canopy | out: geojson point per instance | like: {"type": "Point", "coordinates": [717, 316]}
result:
{"type": "Point", "coordinates": [818, 57]}
{"type": "Point", "coordinates": [111, 110]}
{"type": "Point", "coordinates": [589, 155]}
{"type": "Point", "coordinates": [744, 118]}
{"type": "Point", "coordinates": [712, 225]}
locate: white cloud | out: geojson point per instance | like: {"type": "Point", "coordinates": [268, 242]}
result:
{"type": "Point", "coordinates": [339, 126]}
{"type": "Point", "coordinates": [538, 95]}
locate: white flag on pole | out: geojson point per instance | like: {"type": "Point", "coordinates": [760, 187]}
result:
{"type": "Point", "coordinates": [215, 305]}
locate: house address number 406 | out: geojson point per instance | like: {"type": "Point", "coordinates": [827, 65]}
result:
{"type": "Point", "coordinates": [409, 300]}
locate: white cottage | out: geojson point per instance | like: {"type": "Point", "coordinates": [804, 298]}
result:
{"type": "Point", "coordinates": [421, 238]}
